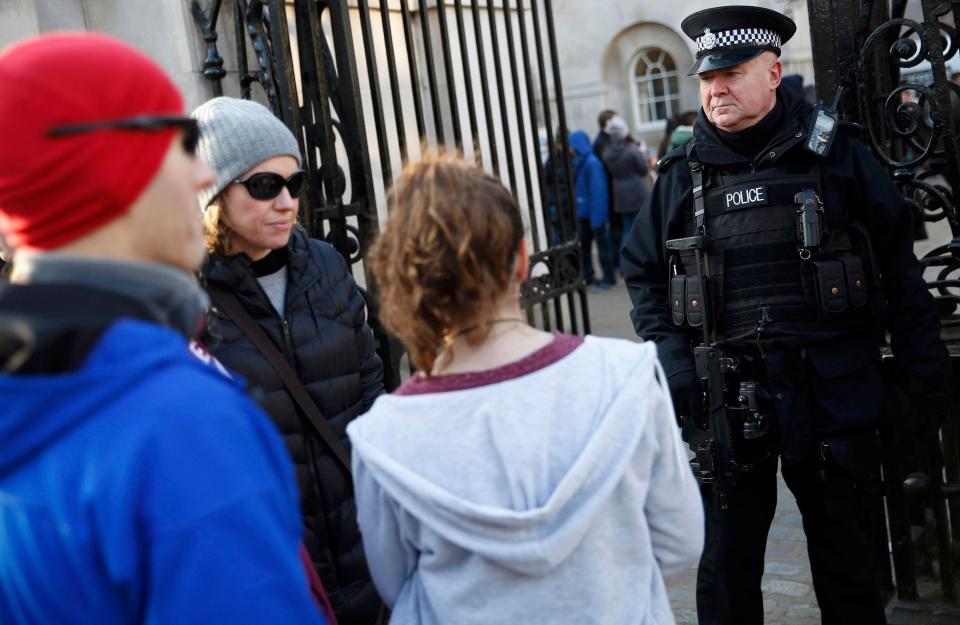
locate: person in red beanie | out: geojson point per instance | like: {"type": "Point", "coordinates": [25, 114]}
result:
{"type": "Point", "coordinates": [138, 483]}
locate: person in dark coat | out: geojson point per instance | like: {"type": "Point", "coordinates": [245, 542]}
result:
{"type": "Point", "coordinates": [603, 137]}
{"type": "Point", "coordinates": [301, 293]}
{"type": "Point", "coordinates": [628, 170]}
{"type": "Point", "coordinates": [798, 318]}
{"type": "Point", "coordinates": [615, 222]}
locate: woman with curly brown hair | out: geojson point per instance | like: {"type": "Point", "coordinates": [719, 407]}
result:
{"type": "Point", "coordinates": [521, 476]}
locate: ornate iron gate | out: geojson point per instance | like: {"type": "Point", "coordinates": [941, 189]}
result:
{"type": "Point", "coordinates": [306, 52]}
{"type": "Point", "coordinates": [908, 114]}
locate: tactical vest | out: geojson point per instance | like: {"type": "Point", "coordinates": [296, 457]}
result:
{"type": "Point", "coordinates": [763, 293]}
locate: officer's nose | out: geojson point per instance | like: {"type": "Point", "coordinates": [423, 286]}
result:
{"type": "Point", "coordinates": [718, 87]}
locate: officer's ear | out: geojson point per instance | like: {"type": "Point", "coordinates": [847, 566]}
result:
{"type": "Point", "coordinates": [775, 70]}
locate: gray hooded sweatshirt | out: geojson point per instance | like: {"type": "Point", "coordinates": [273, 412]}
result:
{"type": "Point", "coordinates": [553, 490]}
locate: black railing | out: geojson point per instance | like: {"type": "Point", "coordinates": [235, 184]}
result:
{"type": "Point", "coordinates": [308, 73]}
{"type": "Point", "coordinates": [874, 51]}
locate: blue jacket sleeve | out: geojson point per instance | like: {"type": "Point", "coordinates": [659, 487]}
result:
{"type": "Point", "coordinates": [598, 192]}
{"type": "Point", "coordinates": [644, 263]}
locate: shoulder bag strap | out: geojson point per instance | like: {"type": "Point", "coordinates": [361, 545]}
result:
{"type": "Point", "coordinates": [228, 302]}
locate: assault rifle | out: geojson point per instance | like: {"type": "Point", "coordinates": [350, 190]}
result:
{"type": "Point", "coordinates": [713, 463]}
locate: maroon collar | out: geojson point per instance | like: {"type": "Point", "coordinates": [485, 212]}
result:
{"type": "Point", "coordinates": [560, 346]}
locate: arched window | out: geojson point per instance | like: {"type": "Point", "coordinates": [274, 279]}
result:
{"type": "Point", "coordinates": [657, 86]}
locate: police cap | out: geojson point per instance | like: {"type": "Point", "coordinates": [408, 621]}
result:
{"type": "Point", "coordinates": [728, 36]}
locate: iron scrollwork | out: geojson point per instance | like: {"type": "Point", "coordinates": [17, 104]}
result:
{"type": "Point", "coordinates": [213, 63]}
{"type": "Point", "coordinates": [319, 103]}
{"type": "Point", "coordinates": [910, 130]}
{"type": "Point", "coordinates": [319, 98]}
{"type": "Point", "coordinates": [327, 74]}
{"type": "Point", "coordinates": [553, 272]}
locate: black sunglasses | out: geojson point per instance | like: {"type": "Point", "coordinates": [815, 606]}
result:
{"type": "Point", "coordinates": [189, 126]}
{"type": "Point", "coordinates": [267, 185]}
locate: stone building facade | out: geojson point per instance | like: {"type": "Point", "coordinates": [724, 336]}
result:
{"type": "Point", "coordinates": [627, 55]}
{"type": "Point", "coordinates": [633, 58]}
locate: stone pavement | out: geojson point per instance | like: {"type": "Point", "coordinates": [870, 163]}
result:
{"type": "Point", "coordinates": [787, 587]}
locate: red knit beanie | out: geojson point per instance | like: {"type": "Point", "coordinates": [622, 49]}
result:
{"type": "Point", "coordinates": [54, 190]}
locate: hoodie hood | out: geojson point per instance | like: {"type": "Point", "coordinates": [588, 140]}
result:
{"type": "Point", "coordinates": [580, 143]}
{"type": "Point", "coordinates": [516, 471]}
{"type": "Point", "coordinates": [116, 364]}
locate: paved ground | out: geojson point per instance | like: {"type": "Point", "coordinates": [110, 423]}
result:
{"type": "Point", "coordinates": [787, 587]}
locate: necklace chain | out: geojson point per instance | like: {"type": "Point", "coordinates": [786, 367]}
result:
{"type": "Point", "coordinates": [486, 323]}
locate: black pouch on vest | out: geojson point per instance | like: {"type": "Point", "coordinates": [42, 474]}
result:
{"type": "Point", "coordinates": [856, 280]}
{"type": "Point", "coordinates": [831, 285]}
{"type": "Point", "coordinates": [678, 295]}
{"type": "Point", "coordinates": [693, 308]}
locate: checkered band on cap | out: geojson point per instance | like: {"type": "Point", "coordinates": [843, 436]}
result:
{"type": "Point", "coordinates": [740, 37]}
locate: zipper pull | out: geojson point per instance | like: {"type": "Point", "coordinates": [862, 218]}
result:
{"type": "Point", "coordinates": [823, 462]}
{"type": "Point", "coordinates": [765, 318]}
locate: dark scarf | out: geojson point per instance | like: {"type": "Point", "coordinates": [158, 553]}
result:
{"type": "Point", "coordinates": [271, 263]}
{"type": "Point", "coordinates": [750, 141]}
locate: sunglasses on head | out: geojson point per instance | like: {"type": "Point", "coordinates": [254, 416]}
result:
{"type": "Point", "coordinates": [189, 126]}
{"type": "Point", "coordinates": [267, 185]}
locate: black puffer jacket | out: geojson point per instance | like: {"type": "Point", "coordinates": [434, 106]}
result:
{"type": "Point", "coordinates": [327, 341]}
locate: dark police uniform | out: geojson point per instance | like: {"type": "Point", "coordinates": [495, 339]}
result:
{"type": "Point", "coordinates": [803, 325]}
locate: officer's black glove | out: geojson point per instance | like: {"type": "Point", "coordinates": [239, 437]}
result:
{"type": "Point", "coordinates": [687, 397]}
{"type": "Point", "coordinates": [929, 401]}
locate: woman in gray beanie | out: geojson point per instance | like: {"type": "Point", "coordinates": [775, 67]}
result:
{"type": "Point", "coordinates": [300, 293]}
{"type": "Point", "coordinates": [627, 167]}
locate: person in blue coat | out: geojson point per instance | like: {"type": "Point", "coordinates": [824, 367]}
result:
{"type": "Point", "coordinates": [138, 482]}
{"type": "Point", "coordinates": [593, 209]}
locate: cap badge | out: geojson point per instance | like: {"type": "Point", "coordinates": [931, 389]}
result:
{"type": "Point", "coordinates": [709, 40]}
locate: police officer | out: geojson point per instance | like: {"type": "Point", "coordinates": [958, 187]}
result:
{"type": "Point", "coordinates": [804, 258]}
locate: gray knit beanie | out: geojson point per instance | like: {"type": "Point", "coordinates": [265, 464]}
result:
{"type": "Point", "coordinates": [617, 128]}
{"type": "Point", "coordinates": [236, 135]}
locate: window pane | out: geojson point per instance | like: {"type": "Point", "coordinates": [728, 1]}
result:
{"type": "Point", "coordinates": [641, 70]}
{"type": "Point", "coordinates": [658, 87]}
{"type": "Point", "coordinates": [643, 101]}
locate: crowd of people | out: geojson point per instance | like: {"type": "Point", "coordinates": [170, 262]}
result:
{"type": "Point", "coordinates": [182, 387]}
{"type": "Point", "coordinates": [612, 175]}
{"type": "Point", "coordinates": [195, 428]}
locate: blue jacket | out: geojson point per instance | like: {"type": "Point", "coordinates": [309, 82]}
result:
{"type": "Point", "coordinates": [144, 487]}
{"type": "Point", "coordinates": [593, 197]}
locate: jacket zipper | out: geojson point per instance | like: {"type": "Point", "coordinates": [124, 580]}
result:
{"type": "Point", "coordinates": [287, 342]}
